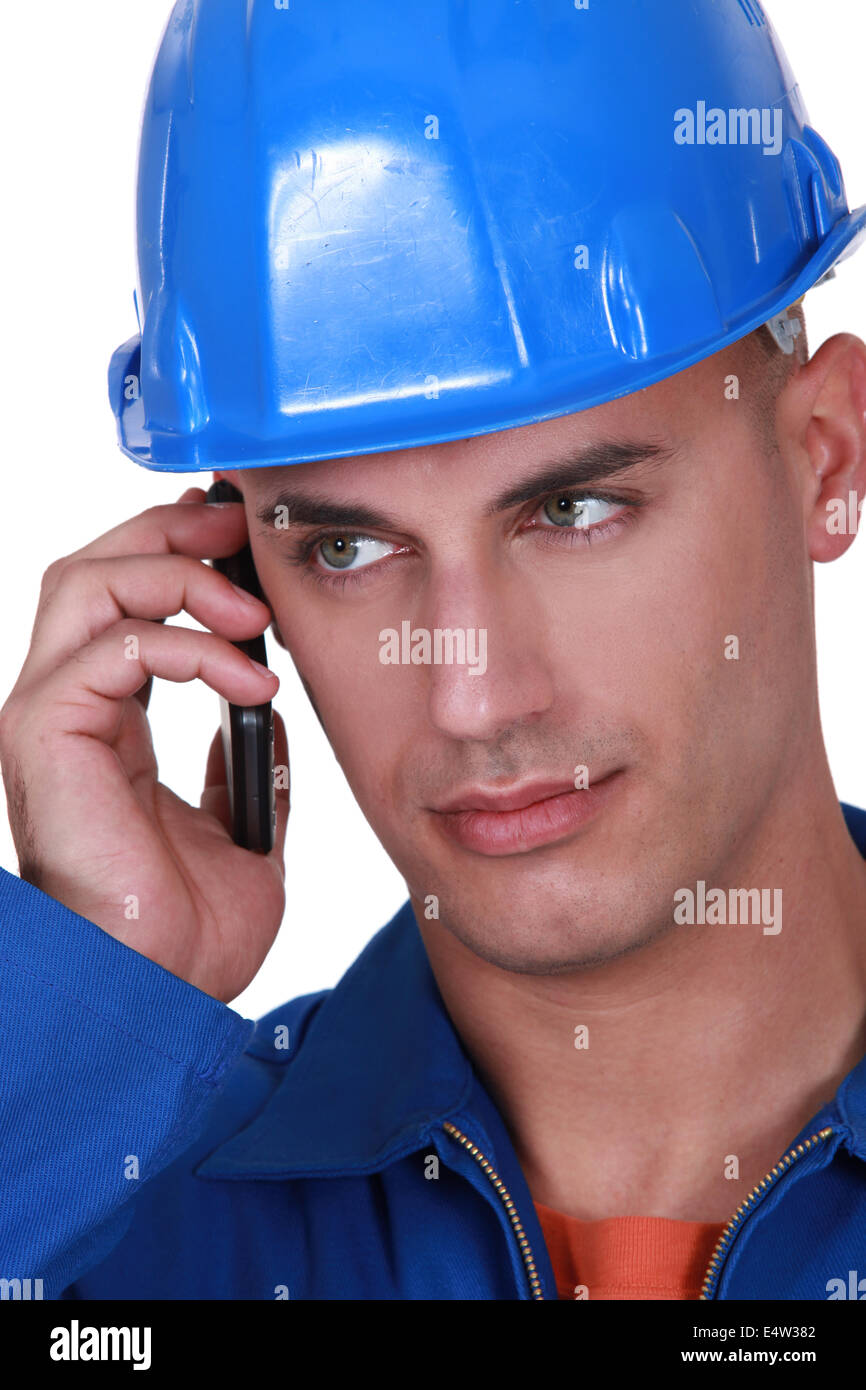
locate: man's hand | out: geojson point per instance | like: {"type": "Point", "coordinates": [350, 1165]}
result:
{"type": "Point", "coordinates": [93, 825]}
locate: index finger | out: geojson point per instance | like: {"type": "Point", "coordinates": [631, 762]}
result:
{"type": "Point", "coordinates": [203, 530]}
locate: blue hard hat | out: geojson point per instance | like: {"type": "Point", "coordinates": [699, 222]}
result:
{"type": "Point", "coordinates": [375, 226]}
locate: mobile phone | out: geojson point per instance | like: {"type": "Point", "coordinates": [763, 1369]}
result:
{"type": "Point", "coordinates": [247, 730]}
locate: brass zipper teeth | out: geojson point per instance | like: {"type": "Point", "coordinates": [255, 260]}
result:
{"type": "Point", "coordinates": [505, 1195]}
{"type": "Point", "coordinates": [764, 1186]}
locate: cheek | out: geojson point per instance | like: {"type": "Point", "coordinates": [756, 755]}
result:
{"type": "Point", "coordinates": [337, 659]}
{"type": "Point", "coordinates": [680, 632]}
{"type": "Point", "coordinates": [718, 634]}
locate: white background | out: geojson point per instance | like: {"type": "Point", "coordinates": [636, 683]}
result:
{"type": "Point", "coordinates": [72, 90]}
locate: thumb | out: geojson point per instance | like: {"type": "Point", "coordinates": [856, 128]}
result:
{"type": "Point", "coordinates": [215, 797]}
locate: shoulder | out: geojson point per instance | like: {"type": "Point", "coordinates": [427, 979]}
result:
{"type": "Point", "coordinates": [276, 1042]}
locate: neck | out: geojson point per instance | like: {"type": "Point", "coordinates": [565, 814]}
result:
{"type": "Point", "coordinates": [707, 1051]}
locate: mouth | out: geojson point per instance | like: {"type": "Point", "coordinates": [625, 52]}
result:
{"type": "Point", "coordinates": [523, 818]}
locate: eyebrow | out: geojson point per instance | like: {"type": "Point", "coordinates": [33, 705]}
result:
{"type": "Point", "coordinates": [591, 465]}
{"type": "Point", "coordinates": [594, 464]}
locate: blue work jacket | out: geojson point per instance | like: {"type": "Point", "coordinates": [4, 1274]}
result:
{"type": "Point", "coordinates": [155, 1144]}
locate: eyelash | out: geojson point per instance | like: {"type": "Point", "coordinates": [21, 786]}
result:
{"type": "Point", "coordinates": [334, 580]}
{"type": "Point", "coordinates": [587, 535]}
{"type": "Point", "coordinates": [302, 553]}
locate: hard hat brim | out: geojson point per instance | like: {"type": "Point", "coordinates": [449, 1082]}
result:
{"type": "Point", "coordinates": [212, 448]}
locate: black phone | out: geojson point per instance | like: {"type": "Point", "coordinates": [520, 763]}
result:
{"type": "Point", "coordinates": [247, 730]}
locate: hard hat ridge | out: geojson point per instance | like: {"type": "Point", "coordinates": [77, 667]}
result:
{"type": "Point", "coordinates": [373, 227]}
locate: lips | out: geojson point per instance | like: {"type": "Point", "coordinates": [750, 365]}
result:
{"type": "Point", "coordinates": [517, 799]}
{"type": "Point", "coordinates": [527, 817]}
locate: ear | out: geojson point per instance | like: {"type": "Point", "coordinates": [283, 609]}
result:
{"type": "Point", "coordinates": [278, 636]}
{"type": "Point", "coordinates": [822, 417]}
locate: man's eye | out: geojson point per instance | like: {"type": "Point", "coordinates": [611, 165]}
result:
{"type": "Point", "coordinates": [347, 552]}
{"type": "Point", "coordinates": [577, 513]}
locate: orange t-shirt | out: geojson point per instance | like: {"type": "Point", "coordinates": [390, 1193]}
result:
{"type": "Point", "coordinates": [628, 1257]}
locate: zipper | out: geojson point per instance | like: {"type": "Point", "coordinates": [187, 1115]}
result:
{"type": "Point", "coordinates": [721, 1248]}
{"type": "Point", "coordinates": [506, 1198]}
{"type": "Point", "coordinates": [711, 1278]}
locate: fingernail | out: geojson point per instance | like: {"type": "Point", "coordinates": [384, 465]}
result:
{"type": "Point", "coordinates": [257, 666]}
{"type": "Point", "coordinates": [244, 594]}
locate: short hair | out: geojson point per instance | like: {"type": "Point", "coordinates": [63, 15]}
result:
{"type": "Point", "coordinates": [767, 370]}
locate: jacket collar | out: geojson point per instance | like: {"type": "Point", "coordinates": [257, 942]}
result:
{"type": "Point", "coordinates": [381, 1063]}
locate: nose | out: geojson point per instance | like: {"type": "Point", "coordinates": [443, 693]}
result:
{"type": "Point", "coordinates": [505, 679]}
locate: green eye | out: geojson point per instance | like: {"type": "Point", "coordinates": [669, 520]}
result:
{"type": "Point", "coordinates": [345, 552]}
{"type": "Point", "coordinates": [339, 551]}
{"type": "Point", "coordinates": [566, 511]}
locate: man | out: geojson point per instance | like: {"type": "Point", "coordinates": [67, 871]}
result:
{"type": "Point", "coordinates": [613, 1045]}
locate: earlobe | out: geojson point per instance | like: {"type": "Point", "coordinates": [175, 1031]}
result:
{"type": "Point", "coordinates": [835, 445]}
{"type": "Point", "coordinates": [278, 636]}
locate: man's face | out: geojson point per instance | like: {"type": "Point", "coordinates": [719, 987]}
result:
{"type": "Point", "coordinates": [614, 605]}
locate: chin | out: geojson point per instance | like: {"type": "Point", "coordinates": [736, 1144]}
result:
{"type": "Point", "coordinates": [530, 944]}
